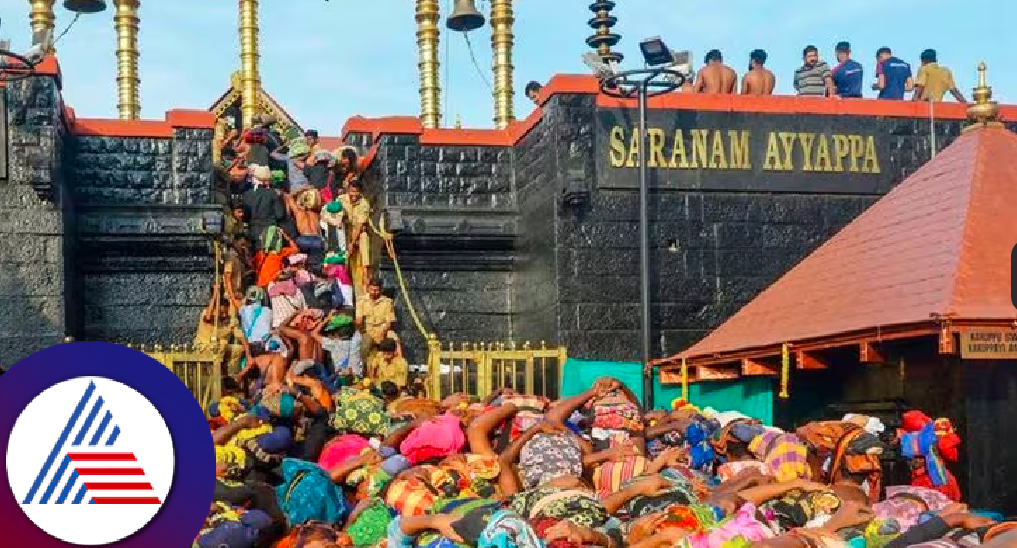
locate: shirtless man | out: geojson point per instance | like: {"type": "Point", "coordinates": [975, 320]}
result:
{"type": "Point", "coordinates": [299, 331]}
{"type": "Point", "coordinates": [715, 76]}
{"type": "Point", "coordinates": [758, 80]}
{"type": "Point", "coordinates": [305, 208]}
{"type": "Point", "coordinates": [271, 366]}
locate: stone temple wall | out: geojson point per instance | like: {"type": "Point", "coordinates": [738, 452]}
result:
{"type": "Point", "coordinates": [145, 260]}
{"type": "Point", "coordinates": [491, 250]}
{"type": "Point", "coordinates": [35, 241]}
{"type": "Point", "coordinates": [101, 238]}
{"type": "Point", "coordinates": [454, 210]}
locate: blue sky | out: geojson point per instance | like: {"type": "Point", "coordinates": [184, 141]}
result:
{"type": "Point", "coordinates": [325, 61]}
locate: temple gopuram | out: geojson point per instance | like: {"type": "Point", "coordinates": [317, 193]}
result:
{"type": "Point", "coordinates": [529, 231]}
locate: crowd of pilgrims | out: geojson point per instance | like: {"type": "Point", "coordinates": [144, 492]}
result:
{"type": "Point", "coordinates": [323, 438]}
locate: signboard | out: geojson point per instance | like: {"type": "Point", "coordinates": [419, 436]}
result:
{"type": "Point", "coordinates": [746, 151]}
{"type": "Point", "coordinates": [989, 344]}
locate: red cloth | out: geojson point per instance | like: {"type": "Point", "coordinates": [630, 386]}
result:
{"type": "Point", "coordinates": [913, 421]}
{"type": "Point", "coordinates": [270, 264]}
{"type": "Point", "coordinates": [951, 489]}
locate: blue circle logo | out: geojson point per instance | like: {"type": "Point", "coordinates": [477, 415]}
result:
{"type": "Point", "coordinates": [105, 446]}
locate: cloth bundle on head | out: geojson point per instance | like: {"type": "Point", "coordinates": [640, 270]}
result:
{"type": "Point", "coordinates": [255, 136]}
{"type": "Point", "coordinates": [913, 421]}
{"type": "Point", "coordinates": [924, 443]}
{"type": "Point", "coordinates": [299, 147]}
{"type": "Point", "coordinates": [297, 259]}
{"type": "Point", "coordinates": [700, 448]}
{"type": "Point", "coordinates": [360, 412]}
{"type": "Point", "coordinates": [308, 494]}
{"type": "Point", "coordinates": [309, 199]}
{"type": "Point", "coordinates": [278, 177]}
{"type": "Point", "coordinates": [871, 425]}
{"type": "Point", "coordinates": [334, 258]}
{"type": "Point", "coordinates": [439, 437]}
{"type": "Point", "coordinates": [284, 288]}
{"type": "Point", "coordinates": [272, 239]}
{"type": "Point", "coordinates": [741, 430]}
{"type": "Point", "coordinates": [784, 453]}
{"type": "Point", "coordinates": [949, 441]}
{"type": "Point", "coordinates": [278, 402]}
{"type": "Point", "coordinates": [338, 322]}
{"type": "Point", "coordinates": [262, 174]}
{"type": "Point", "coordinates": [334, 207]}
{"type": "Point", "coordinates": [904, 504]}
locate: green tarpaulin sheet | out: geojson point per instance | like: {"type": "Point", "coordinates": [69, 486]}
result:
{"type": "Point", "coordinates": [750, 395]}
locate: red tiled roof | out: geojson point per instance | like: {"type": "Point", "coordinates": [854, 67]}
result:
{"type": "Point", "coordinates": [939, 243]}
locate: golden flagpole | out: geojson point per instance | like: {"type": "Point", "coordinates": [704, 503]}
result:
{"type": "Point", "coordinates": [502, 19]}
{"type": "Point", "coordinates": [41, 16]}
{"type": "Point", "coordinates": [428, 37]}
{"type": "Point", "coordinates": [250, 79]}
{"type": "Point", "coordinates": [125, 21]}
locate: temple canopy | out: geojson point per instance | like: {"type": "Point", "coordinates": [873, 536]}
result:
{"type": "Point", "coordinates": [935, 249]}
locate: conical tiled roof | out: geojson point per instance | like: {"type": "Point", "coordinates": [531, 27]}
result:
{"type": "Point", "coordinates": [938, 244]}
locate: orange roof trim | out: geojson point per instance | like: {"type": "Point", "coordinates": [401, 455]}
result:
{"type": "Point", "coordinates": [175, 119]}
{"type": "Point", "coordinates": [573, 84]}
{"type": "Point", "coordinates": [936, 246]}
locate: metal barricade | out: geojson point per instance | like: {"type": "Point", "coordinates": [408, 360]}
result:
{"type": "Point", "coordinates": [199, 367]}
{"type": "Point", "coordinates": [478, 369]}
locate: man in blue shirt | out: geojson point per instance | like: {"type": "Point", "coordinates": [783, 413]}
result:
{"type": "Point", "coordinates": [847, 75]}
{"type": "Point", "coordinates": [893, 76]}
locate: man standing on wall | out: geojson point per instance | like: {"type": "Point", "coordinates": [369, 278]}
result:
{"type": "Point", "coordinates": [715, 76]}
{"type": "Point", "coordinates": [893, 76]}
{"type": "Point", "coordinates": [934, 80]}
{"type": "Point", "coordinates": [758, 80]}
{"type": "Point", "coordinates": [848, 74]}
{"type": "Point", "coordinates": [814, 78]}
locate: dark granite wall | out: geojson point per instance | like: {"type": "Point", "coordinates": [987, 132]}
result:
{"type": "Point", "coordinates": [146, 261]}
{"type": "Point", "coordinates": [34, 246]}
{"type": "Point", "coordinates": [102, 238]}
{"type": "Point", "coordinates": [454, 209]}
{"type": "Point", "coordinates": [711, 250]}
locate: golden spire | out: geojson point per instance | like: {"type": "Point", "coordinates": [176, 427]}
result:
{"type": "Point", "coordinates": [125, 20]}
{"type": "Point", "coordinates": [250, 80]}
{"type": "Point", "coordinates": [984, 111]}
{"type": "Point", "coordinates": [501, 47]}
{"type": "Point", "coordinates": [42, 16]}
{"type": "Point", "coordinates": [428, 37]}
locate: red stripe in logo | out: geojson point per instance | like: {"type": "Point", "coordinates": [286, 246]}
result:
{"type": "Point", "coordinates": [118, 486]}
{"type": "Point", "coordinates": [108, 457]}
{"type": "Point", "coordinates": [110, 472]}
{"type": "Point", "coordinates": [126, 500]}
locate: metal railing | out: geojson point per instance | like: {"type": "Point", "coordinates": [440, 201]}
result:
{"type": "Point", "coordinates": [478, 369]}
{"type": "Point", "coordinates": [200, 367]}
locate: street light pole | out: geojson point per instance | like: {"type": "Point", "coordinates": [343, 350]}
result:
{"type": "Point", "coordinates": [644, 83]}
{"type": "Point", "coordinates": [644, 252]}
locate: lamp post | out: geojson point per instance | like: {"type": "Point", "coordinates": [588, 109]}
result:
{"type": "Point", "coordinates": [643, 83]}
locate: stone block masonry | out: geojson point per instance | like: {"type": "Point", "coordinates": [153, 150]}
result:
{"type": "Point", "coordinates": [35, 241]}
{"type": "Point", "coordinates": [720, 233]}
{"type": "Point", "coordinates": [102, 234]}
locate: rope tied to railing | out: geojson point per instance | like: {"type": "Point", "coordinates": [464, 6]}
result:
{"type": "Point", "coordinates": [389, 239]}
